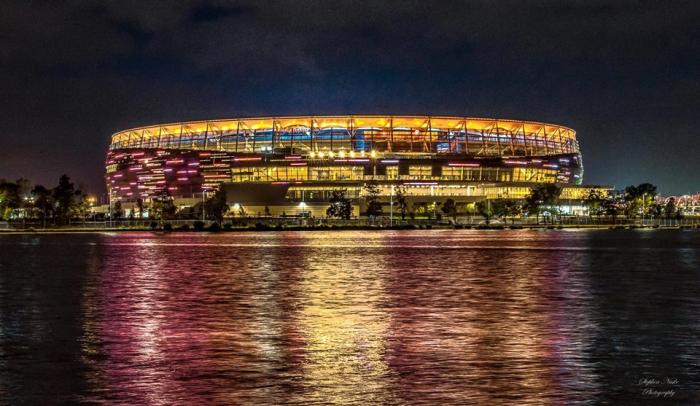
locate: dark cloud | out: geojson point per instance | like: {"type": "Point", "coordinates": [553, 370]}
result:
{"type": "Point", "coordinates": [622, 73]}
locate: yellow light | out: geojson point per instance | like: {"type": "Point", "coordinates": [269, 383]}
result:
{"type": "Point", "coordinates": [320, 154]}
{"type": "Point", "coordinates": [342, 154]}
{"type": "Point", "coordinates": [362, 153]}
{"type": "Point", "coordinates": [352, 154]}
{"type": "Point", "coordinates": [330, 154]}
{"type": "Point", "coordinates": [373, 154]}
{"type": "Point", "coordinates": [312, 154]}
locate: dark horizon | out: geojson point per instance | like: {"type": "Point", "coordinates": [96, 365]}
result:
{"type": "Point", "coordinates": [622, 74]}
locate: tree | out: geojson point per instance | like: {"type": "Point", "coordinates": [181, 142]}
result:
{"type": "Point", "coordinates": [431, 209]}
{"type": "Point", "coordinates": [64, 196]}
{"type": "Point", "coordinates": [266, 212]}
{"type": "Point", "coordinates": [140, 205]}
{"type": "Point", "coordinates": [640, 190]}
{"type": "Point", "coordinates": [216, 206]}
{"type": "Point", "coordinates": [640, 199]}
{"type": "Point", "coordinates": [505, 208]}
{"type": "Point", "coordinates": [613, 206]}
{"type": "Point", "coordinates": [10, 199]}
{"type": "Point", "coordinates": [670, 210]}
{"type": "Point", "coordinates": [449, 208]}
{"type": "Point", "coordinates": [543, 198]}
{"type": "Point", "coordinates": [82, 207]}
{"type": "Point", "coordinates": [513, 209]}
{"type": "Point", "coordinates": [340, 206]}
{"type": "Point", "coordinates": [117, 210]}
{"type": "Point", "coordinates": [498, 208]}
{"type": "Point", "coordinates": [42, 203]}
{"type": "Point", "coordinates": [594, 201]}
{"type": "Point", "coordinates": [25, 187]}
{"type": "Point", "coordinates": [484, 208]}
{"type": "Point", "coordinates": [374, 207]}
{"type": "Point", "coordinates": [401, 203]}
{"type": "Point", "coordinates": [163, 206]}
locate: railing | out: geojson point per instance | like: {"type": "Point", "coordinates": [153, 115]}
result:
{"type": "Point", "coordinates": [383, 220]}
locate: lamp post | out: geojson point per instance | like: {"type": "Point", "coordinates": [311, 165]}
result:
{"type": "Point", "coordinates": [391, 207]}
{"type": "Point", "coordinates": [203, 207]}
{"type": "Point", "coordinates": [302, 212]}
{"type": "Point", "coordinates": [109, 197]}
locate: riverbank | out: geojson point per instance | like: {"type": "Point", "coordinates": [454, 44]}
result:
{"type": "Point", "coordinates": [335, 227]}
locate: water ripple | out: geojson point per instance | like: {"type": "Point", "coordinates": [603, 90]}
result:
{"type": "Point", "coordinates": [408, 317]}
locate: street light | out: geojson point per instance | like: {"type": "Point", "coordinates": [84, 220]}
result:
{"type": "Point", "coordinates": [203, 207]}
{"type": "Point", "coordinates": [391, 207]}
{"type": "Point", "coordinates": [110, 208]}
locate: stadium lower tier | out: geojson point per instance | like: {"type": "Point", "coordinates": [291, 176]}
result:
{"type": "Point", "coordinates": [295, 184]}
{"type": "Point", "coordinates": [134, 174]}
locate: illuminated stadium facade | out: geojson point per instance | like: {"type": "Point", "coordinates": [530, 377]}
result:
{"type": "Point", "coordinates": [284, 163]}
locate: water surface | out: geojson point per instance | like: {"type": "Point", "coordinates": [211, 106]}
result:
{"type": "Point", "coordinates": [389, 317]}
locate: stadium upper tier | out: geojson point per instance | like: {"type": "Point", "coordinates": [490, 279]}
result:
{"type": "Point", "coordinates": [397, 135]}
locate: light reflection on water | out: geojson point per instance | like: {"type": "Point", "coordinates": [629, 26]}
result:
{"type": "Point", "coordinates": [507, 317]}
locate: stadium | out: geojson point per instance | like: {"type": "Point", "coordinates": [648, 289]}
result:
{"type": "Point", "coordinates": [291, 165]}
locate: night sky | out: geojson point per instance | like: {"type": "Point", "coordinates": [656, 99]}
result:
{"type": "Point", "coordinates": [624, 75]}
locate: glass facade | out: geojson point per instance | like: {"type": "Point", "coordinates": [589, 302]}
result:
{"type": "Point", "coordinates": [424, 154]}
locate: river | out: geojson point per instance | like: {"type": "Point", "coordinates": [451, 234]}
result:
{"type": "Point", "coordinates": [351, 317]}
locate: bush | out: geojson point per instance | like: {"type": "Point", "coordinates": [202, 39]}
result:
{"type": "Point", "coordinates": [228, 226]}
{"type": "Point", "coordinates": [184, 227]}
{"type": "Point", "coordinates": [214, 227]}
{"type": "Point", "coordinates": [199, 225]}
{"type": "Point", "coordinates": [167, 227]}
{"type": "Point", "coordinates": [153, 225]}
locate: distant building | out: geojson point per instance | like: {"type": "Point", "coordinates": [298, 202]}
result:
{"type": "Point", "coordinates": [688, 205]}
{"type": "Point", "coordinates": [293, 164]}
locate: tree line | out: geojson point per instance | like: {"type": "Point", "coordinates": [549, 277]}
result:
{"type": "Point", "coordinates": [65, 202]}
{"type": "Point", "coordinates": [59, 204]}
{"type": "Point", "coordinates": [543, 202]}
{"type": "Point", "coordinates": [56, 205]}
{"type": "Point", "coordinates": [162, 207]}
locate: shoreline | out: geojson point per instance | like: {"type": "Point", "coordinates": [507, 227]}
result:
{"type": "Point", "coordinates": [545, 227]}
